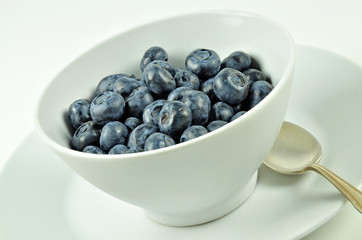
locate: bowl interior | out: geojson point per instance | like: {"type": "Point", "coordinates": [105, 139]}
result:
{"type": "Point", "coordinates": [224, 32]}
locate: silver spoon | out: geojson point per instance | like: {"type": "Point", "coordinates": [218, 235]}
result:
{"type": "Point", "coordinates": [296, 151]}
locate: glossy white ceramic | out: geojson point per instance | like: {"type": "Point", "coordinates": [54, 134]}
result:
{"type": "Point", "coordinates": [200, 180]}
{"type": "Point", "coordinates": [41, 198]}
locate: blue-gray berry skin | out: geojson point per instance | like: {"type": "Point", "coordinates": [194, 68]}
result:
{"type": "Point", "coordinates": [106, 107]}
{"type": "Point", "coordinates": [174, 118]}
{"type": "Point", "coordinates": [186, 78]}
{"type": "Point", "coordinates": [107, 83]}
{"type": "Point", "coordinates": [158, 79]}
{"type": "Point", "coordinates": [237, 60]}
{"type": "Point", "coordinates": [200, 106]}
{"type": "Point", "coordinates": [193, 132]}
{"type": "Point", "coordinates": [221, 111]}
{"type": "Point", "coordinates": [208, 88]}
{"type": "Point", "coordinates": [178, 93]}
{"type": "Point", "coordinates": [118, 149]}
{"type": "Point", "coordinates": [166, 65]}
{"type": "Point", "coordinates": [253, 75]}
{"type": "Point", "coordinates": [205, 63]}
{"type": "Point", "coordinates": [243, 106]}
{"type": "Point", "coordinates": [78, 112]}
{"type": "Point", "coordinates": [139, 135]}
{"type": "Point", "coordinates": [132, 150]}
{"type": "Point", "coordinates": [93, 149]}
{"type": "Point", "coordinates": [125, 85]}
{"type": "Point", "coordinates": [132, 122]}
{"type": "Point", "coordinates": [87, 134]}
{"type": "Point", "coordinates": [113, 133]}
{"type": "Point", "coordinates": [212, 126]}
{"type": "Point", "coordinates": [138, 100]}
{"type": "Point", "coordinates": [231, 86]}
{"type": "Point", "coordinates": [237, 115]}
{"type": "Point", "coordinates": [258, 91]}
{"type": "Point", "coordinates": [152, 110]}
{"type": "Point", "coordinates": [158, 140]}
{"type": "Point", "coordinates": [153, 53]}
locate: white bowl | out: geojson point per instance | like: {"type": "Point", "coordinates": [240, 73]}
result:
{"type": "Point", "coordinates": [199, 180]}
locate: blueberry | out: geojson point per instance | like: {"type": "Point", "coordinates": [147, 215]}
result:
{"type": "Point", "coordinates": [106, 107]}
{"type": "Point", "coordinates": [93, 149]}
{"type": "Point", "coordinates": [236, 115]}
{"type": "Point", "coordinates": [258, 91]}
{"type": "Point", "coordinates": [231, 86]}
{"type": "Point", "coordinates": [132, 122]}
{"type": "Point", "coordinates": [113, 133]}
{"type": "Point", "coordinates": [107, 83]}
{"type": "Point", "coordinates": [87, 134]}
{"type": "Point", "coordinates": [158, 140]}
{"type": "Point", "coordinates": [125, 85]}
{"type": "Point", "coordinates": [208, 88]}
{"type": "Point", "coordinates": [185, 78]}
{"type": "Point", "coordinates": [205, 63]}
{"type": "Point", "coordinates": [166, 65]}
{"type": "Point", "coordinates": [193, 132]}
{"type": "Point", "coordinates": [139, 135]}
{"type": "Point", "coordinates": [174, 118]}
{"type": "Point", "coordinates": [132, 150]}
{"type": "Point", "coordinates": [178, 93]}
{"type": "Point", "coordinates": [200, 106]}
{"type": "Point", "coordinates": [237, 60]}
{"type": "Point", "coordinates": [243, 106]}
{"type": "Point", "coordinates": [152, 110]}
{"type": "Point", "coordinates": [215, 125]}
{"type": "Point", "coordinates": [138, 100]}
{"type": "Point", "coordinates": [118, 149]}
{"type": "Point", "coordinates": [158, 79]}
{"type": "Point", "coordinates": [153, 53]}
{"type": "Point", "coordinates": [253, 75]}
{"type": "Point", "coordinates": [78, 112]}
{"type": "Point", "coordinates": [221, 111]}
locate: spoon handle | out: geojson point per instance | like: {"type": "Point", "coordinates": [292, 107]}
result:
{"type": "Point", "coordinates": [349, 191]}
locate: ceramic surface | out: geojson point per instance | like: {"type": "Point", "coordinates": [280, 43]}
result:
{"type": "Point", "coordinates": [41, 198]}
{"type": "Point", "coordinates": [196, 181]}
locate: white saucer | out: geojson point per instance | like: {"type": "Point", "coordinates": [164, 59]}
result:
{"type": "Point", "coordinates": [41, 198]}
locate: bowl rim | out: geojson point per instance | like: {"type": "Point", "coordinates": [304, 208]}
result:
{"type": "Point", "coordinates": [289, 69]}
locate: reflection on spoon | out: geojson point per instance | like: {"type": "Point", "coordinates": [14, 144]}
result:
{"type": "Point", "coordinates": [296, 151]}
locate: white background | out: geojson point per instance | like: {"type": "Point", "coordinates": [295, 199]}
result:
{"type": "Point", "coordinates": [38, 38]}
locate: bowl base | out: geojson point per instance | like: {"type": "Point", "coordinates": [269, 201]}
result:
{"type": "Point", "coordinates": [208, 214]}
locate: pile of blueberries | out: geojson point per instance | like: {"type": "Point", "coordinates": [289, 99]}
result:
{"type": "Point", "coordinates": [168, 105]}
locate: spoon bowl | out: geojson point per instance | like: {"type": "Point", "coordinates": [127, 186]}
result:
{"type": "Point", "coordinates": [296, 150]}
{"type": "Point", "coordinates": [302, 144]}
